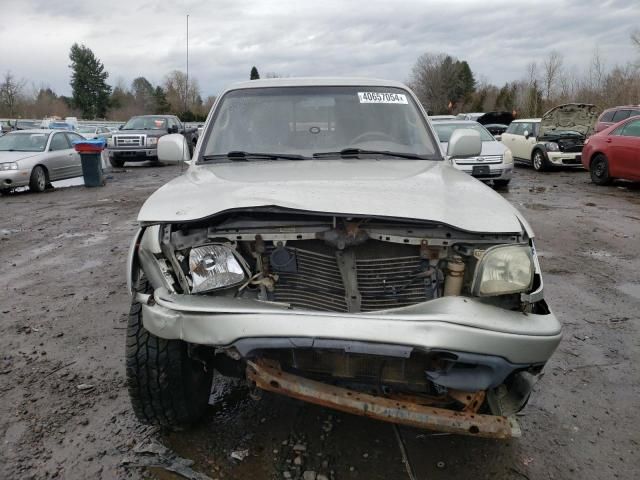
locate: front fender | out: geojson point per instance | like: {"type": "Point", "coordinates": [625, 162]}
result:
{"type": "Point", "coordinates": [133, 267]}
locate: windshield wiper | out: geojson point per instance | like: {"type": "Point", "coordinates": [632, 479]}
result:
{"type": "Point", "coordinates": [356, 152]}
{"type": "Point", "coordinates": [237, 155]}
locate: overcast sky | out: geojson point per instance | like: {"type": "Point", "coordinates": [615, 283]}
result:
{"type": "Point", "coordinates": [304, 38]}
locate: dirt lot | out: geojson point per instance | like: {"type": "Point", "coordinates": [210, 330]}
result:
{"type": "Point", "coordinates": [64, 409]}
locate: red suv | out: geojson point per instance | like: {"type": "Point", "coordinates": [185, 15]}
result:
{"type": "Point", "coordinates": [613, 115]}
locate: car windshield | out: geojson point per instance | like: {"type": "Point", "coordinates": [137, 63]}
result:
{"type": "Point", "coordinates": [321, 121]}
{"type": "Point", "coordinates": [23, 142]}
{"type": "Point", "coordinates": [86, 129]}
{"type": "Point", "coordinates": [444, 131]}
{"type": "Point", "coordinates": [146, 123]}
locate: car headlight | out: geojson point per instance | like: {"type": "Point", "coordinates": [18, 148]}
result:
{"type": "Point", "coordinates": [9, 166]}
{"type": "Point", "coordinates": [110, 142]}
{"type": "Point", "coordinates": [552, 147]}
{"type": "Point", "coordinates": [504, 269]}
{"type": "Point", "coordinates": [507, 157]}
{"type": "Point", "coordinates": [213, 267]}
{"type": "Point", "coordinates": [151, 141]}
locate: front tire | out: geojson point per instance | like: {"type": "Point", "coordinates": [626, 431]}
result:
{"type": "Point", "coordinates": [599, 170]}
{"type": "Point", "coordinates": [539, 161]}
{"type": "Point", "coordinates": [166, 386]}
{"type": "Point", "coordinates": [116, 162]}
{"type": "Point", "coordinates": [38, 180]}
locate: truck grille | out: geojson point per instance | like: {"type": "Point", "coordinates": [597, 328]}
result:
{"type": "Point", "coordinates": [129, 140]}
{"type": "Point", "coordinates": [382, 282]}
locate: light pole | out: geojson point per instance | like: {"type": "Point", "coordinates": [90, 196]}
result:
{"type": "Point", "coordinates": [186, 93]}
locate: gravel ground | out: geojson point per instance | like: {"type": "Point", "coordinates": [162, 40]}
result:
{"type": "Point", "coordinates": [64, 410]}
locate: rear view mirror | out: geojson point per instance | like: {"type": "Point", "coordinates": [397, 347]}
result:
{"type": "Point", "coordinates": [526, 134]}
{"type": "Point", "coordinates": [172, 129]}
{"type": "Point", "coordinates": [464, 142]}
{"type": "Point", "coordinates": [173, 148]}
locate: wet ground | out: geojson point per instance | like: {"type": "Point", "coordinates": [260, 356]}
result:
{"type": "Point", "coordinates": [64, 410]}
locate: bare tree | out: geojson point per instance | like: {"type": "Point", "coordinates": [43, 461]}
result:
{"type": "Point", "coordinates": [178, 95]}
{"type": "Point", "coordinates": [10, 91]}
{"type": "Point", "coordinates": [552, 69]}
{"type": "Point", "coordinates": [635, 37]}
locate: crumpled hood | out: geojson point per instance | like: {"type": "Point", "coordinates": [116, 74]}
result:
{"type": "Point", "coordinates": [16, 156]}
{"type": "Point", "coordinates": [412, 189]}
{"type": "Point", "coordinates": [574, 117]}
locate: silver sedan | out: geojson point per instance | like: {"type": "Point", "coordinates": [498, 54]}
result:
{"type": "Point", "coordinates": [35, 158]}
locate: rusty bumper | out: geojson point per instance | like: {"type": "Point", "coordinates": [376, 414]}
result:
{"type": "Point", "coordinates": [271, 378]}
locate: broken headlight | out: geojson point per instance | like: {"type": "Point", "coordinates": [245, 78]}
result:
{"type": "Point", "coordinates": [504, 269]}
{"type": "Point", "coordinates": [213, 267]}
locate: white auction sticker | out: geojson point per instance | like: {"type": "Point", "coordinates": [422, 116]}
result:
{"type": "Point", "coordinates": [381, 97]}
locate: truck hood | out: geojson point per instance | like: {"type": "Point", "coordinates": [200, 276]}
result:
{"type": "Point", "coordinates": [409, 189]}
{"type": "Point", "coordinates": [573, 117]}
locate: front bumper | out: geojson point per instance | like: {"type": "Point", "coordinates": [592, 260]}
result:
{"type": "Point", "coordinates": [560, 158]}
{"type": "Point", "coordinates": [450, 323]}
{"type": "Point", "coordinates": [497, 171]}
{"type": "Point", "coordinates": [14, 178]}
{"type": "Point", "coordinates": [133, 154]}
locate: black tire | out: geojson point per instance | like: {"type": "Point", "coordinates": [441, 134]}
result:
{"type": "Point", "coordinates": [501, 183]}
{"type": "Point", "coordinates": [166, 386]}
{"type": "Point", "coordinates": [38, 180]}
{"type": "Point", "coordinates": [539, 161]}
{"type": "Point", "coordinates": [116, 162]}
{"type": "Point", "coordinates": [599, 170]}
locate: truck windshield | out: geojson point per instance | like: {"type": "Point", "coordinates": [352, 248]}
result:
{"type": "Point", "coordinates": [146, 123]}
{"type": "Point", "coordinates": [23, 142]}
{"type": "Point", "coordinates": [320, 121]}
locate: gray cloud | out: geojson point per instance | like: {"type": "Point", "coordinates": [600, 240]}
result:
{"type": "Point", "coordinates": [374, 38]}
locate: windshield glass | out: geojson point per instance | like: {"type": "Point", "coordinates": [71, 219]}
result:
{"type": "Point", "coordinates": [146, 123]}
{"type": "Point", "coordinates": [307, 120]}
{"type": "Point", "coordinates": [23, 142]}
{"type": "Point", "coordinates": [444, 131]}
{"type": "Point", "coordinates": [86, 129]}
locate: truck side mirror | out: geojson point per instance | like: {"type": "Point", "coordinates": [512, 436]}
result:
{"type": "Point", "coordinates": [464, 142]}
{"type": "Point", "coordinates": [173, 129]}
{"type": "Point", "coordinates": [173, 148]}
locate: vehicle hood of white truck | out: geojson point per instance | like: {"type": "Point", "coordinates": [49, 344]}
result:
{"type": "Point", "coordinates": [410, 189]}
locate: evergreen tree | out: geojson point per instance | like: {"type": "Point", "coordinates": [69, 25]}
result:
{"type": "Point", "coordinates": [254, 74]}
{"type": "Point", "coordinates": [144, 94]}
{"type": "Point", "coordinates": [88, 82]}
{"type": "Point", "coordinates": [162, 104]}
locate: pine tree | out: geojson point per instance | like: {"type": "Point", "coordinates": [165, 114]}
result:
{"type": "Point", "coordinates": [254, 74]}
{"type": "Point", "coordinates": [162, 104]}
{"type": "Point", "coordinates": [88, 82]}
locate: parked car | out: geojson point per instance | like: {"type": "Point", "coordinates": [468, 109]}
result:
{"type": "Point", "coordinates": [137, 140]}
{"type": "Point", "coordinates": [25, 124]}
{"type": "Point", "coordinates": [60, 126]}
{"type": "Point", "coordinates": [496, 122]}
{"type": "Point", "coordinates": [611, 116]}
{"type": "Point", "coordinates": [437, 118]}
{"type": "Point", "coordinates": [94, 132]}
{"type": "Point", "coordinates": [320, 246]}
{"type": "Point", "coordinates": [554, 140]}
{"type": "Point", "coordinates": [495, 161]}
{"type": "Point", "coordinates": [5, 126]}
{"type": "Point", "coordinates": [470, 116]}
{"type": "Point", "coordinates": [36, 158]}
{"type": "Point", "coordinates": [614, 152]}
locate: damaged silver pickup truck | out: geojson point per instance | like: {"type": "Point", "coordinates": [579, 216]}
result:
{"type": "Point", "coordinates": [321, 247]}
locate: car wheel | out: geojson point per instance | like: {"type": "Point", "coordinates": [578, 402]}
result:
{"type": "Point", "coordinates": [501, 183]}
{"type": "Point", "coordinates": [166, 386]}
{"type": "Point", "coordinates": [539, 161]}
{"type": "Point", "coordinates": [38, 180]}
{"type": "Point", "coordinates": [116, 162]}
{"type": "Point", "coordinates": [599, 170]}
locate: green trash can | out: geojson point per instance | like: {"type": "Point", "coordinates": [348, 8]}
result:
{"type": "Point", "coordinates": [90, 152]}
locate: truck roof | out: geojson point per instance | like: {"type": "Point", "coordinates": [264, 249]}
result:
{"type": "Point", "coordinates": [316, 81]}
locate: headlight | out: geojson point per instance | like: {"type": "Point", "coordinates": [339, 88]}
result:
{"type": "Point", "coordinates": [552, 146]}
{"type": "Point", "coordinates": [9, 166]}
{"type": "Point", "coordinates": [213, 267]}
{"type": "Point", "coordinates": [152, 141]}
{"type": "Point", "coordinates": [110, 142]}
{"type": "Point", "coordinates": [507, 157]}
{"type": "Point", "coordinates": [504, 269]}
